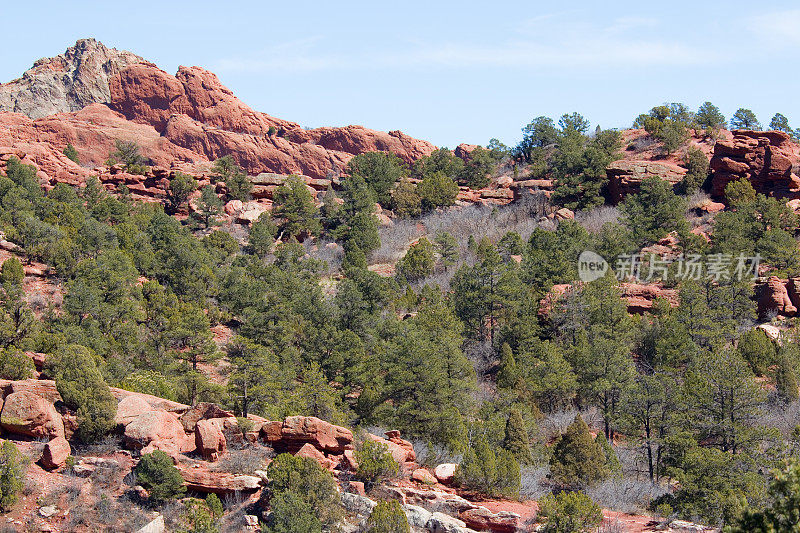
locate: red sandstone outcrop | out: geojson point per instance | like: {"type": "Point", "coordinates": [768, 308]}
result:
{"type": "Point", "coordinates": [625, 176]}
{"type": "Point", "coordinates": [199, 478]}
{"type": "Point", "coordinates": [640, 297]}
{"type": "Point", "coordinates": [202, 411]}
{"type": "Point", "coordinates": [26, 413]}
{"type": "Point", "coordinates": [765, 158]}
{"type": "Point", "coordinates": [773, 297]}
{"type": "Point", "coordinates": [445, 472]}
{"type": "Point", "coordinates": [482, 519]}
{"type": "Point", "coordinates": [295, 431]}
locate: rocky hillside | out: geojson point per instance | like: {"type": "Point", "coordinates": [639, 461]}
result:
{"type": "Point", "coordinates": [92, 95]}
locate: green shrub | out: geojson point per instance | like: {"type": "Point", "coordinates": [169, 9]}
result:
{"type": "Point", "coordinates": [300, 487]}
{"type": "Point", "coordinates": [375, 463]}
{"type": "Point", "coordinates": [158, 475]}
{"type": "Point", "coordinates": [418, 261]}
{"type": "Point", "coordinates": [516, 437]}
{"type": "Point", "coordinates": [128, 154]}
{"type": "Point", "coordinates": [72, 153]}
{"type": "Point", "coordinates": [181, 186]}
{"type": "Point", "coordinates": [696, 164]}
{"type": "Point", "coordinates": [12, 473]}
{"type": "Point", "coordinates": [437, 190]}
{"type": "Point", "coordinates": [740, 192]}
{"type": "Point", "coordinates": [14, 364]}
{"type": "Point", "coordinates": [483, 470]}
{"type": "Point", "coordinates": [215, 505]}
{"type": "Point", "coordinates": [198, 517]}
{"type": "Point", "coordinates": [405, 200]}
{"type": "Point", "coordinates": [569, 512]}
{"type": "Point", "coordinates": [83, 388]}
{"type": "Point", "coordinates": [577, 459]}
{"type": "Point", "coordinates": [11, 272]}
{"type": "Point", "coordinates": [388, 517]}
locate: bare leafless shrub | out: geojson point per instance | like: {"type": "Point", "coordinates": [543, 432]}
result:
{"type": "Point", "coordinates": [245, 461]}
{"type": "Point", "coordinates": [58, 300]}
{"type": "Point", "coordinates": [482, 354]}
{"type": "Point", "coordinates": [106, 475]}
{"type": "Point", "coordinates": [330, 253]}
{"type": "Point", "coordinates": [556, 423]}
{"type": "Point", "coordinates": [431, 455]}
{"type": "Point", "coordinates": [533, 482]}
{"type": "Point", "coordinates": [623, 494]}
{"type": "Point", "coordinates": [593, 220]}
{"type": "Point", "coordinates": [611, 525]}
{"type": "Point", "coordinates": [105, 446]}
{"type": "Point", "coordinates": [30, 486]}
{"type": "Point", "coordinates": [781, 416]}
{"type": "Point", "coordinates": [37, 301]}
{"type": "Point", "coordinates": [697, 199]}
{"type": "Point", "coordinates": [640, 144]}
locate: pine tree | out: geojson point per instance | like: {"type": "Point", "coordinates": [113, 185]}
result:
{"type": "Point", "coordinates": [509, 374]}
{"type": "Point", "coordinates": [294, 210]}
{"type": "Point", "coordinates": [209, 206]}
{"type": "Point", "coordinates": [613, 465]}
{"type": "Point", "coordinates": [448, 249]}
{"type": "Point", "coordinates": [315, 396]}
{"type": "Point", "coordinates": [516, 438]}
{"type": "Point", "coordinates": [181, 186]}
{"type": "Point", "coordinates": [72, 153]}
{"type": "Point", "coordinates": [577, 459]}
{"type": "Point", "coordinates": [262, 235]}
{"type": "Point", "coordinates": [786, 381]}
{"type": "Point", "coordinates": [12, 474]}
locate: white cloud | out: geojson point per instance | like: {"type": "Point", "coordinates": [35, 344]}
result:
{"type": "Point", "coordinates": [781, 28]}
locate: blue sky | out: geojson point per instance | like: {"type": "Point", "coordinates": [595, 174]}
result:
{"type": "Point", "coordinates": [448, 72]}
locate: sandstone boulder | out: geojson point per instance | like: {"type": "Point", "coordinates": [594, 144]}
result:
{"type": "Point", "coordinates": [295, 431]}
{"type": "Point", "coordinates": [129, 408]}
{"type": "Point", "coordinates": [26, 413]}
{"type": "Point", "coordinates": [157, 429]}
{"type": "Point", "coordinates": [482, 519]}
{"type": "Point", "coordinates": [209, 439]}
{"type": "Point", "coordinates": [423, 476]}
{"type": "Point", "coordinates": [773, 298]}
{"type": "Point", "coordinates": [625, 176]}
{"type": "Point", "coordinates": [309, 451]}
{"type": "Point", "coordinates": [55, 453]}
{"type": "Point", "coordinates": [201, 479]}
{"type": "Point", "coordinates": [444, 472]}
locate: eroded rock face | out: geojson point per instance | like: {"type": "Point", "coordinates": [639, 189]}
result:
{"type": "Point", "coordinates": [482, 519]}
{"type": "Point", "coordinates": [68, 82]}
{"type": "Point", "coordinates": [765, 158]}
{"type": "Point", "coordinates": [295, 431]}
{"type": "Point", "coordinates": [26, 413]}
{"type": "Point", "coordinates": [775, 297]}
{"type": "Point", "coordinates": [129, 408]}
{"type": "Point", "coordinates": [625, 176]}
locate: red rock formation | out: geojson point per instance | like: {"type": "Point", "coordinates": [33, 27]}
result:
{"type": "Point", "coordinates": [765, 158]}
{"type": "Point", "coordinates": [295, 431]}
{"type": "Point", "coordinates": [199, 478]}
{"type": "Point", "coordinates": [640, 297]}
{"type": "Point", "coordinates": [773, 297]}
{"type": "Point", "coordinates": [55, 453]}
{"type": "Point", "coordinates": [26, 413]}
{"type": "Point", "coordinates": [625, 176]}
{"type": "Point", "coordinates": [202, 411]}
{"type": "Point", "coordinates": [156, 429]}
{"type": "Point", "coordinates": [308, 450]}
{"type": "Point", "coordinates": [482, 519]}
{"type": "Point", "coordinates": [445, 472]}
{"type": "Point", "coordinates": [209, 439]}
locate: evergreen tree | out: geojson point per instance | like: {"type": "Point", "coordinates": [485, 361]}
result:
{"type": "Point", "coordinates": [744, 119]}
{"type": "Point", "coordinates": [406, 203]}
{"type": "Point", "coordinates": [516, 438]}
{"type": "Point", "coordinates": [786, 381]}
{"type": "Point", "coordinates": [447, 248]}
{"type": "Point", "coordinates": [711, 119]}
{"type": "Point", "coordinates": [380, 171]}
{"type": "Point", "coordinates": [236, 181]}
{"type": "Point", "coordinates": [437, 190]}
{"type": "Point", "coordinates": [294, 210]}
{"type": "Point", "coordinates": [83, 389]}
{"type": "Point", "coordinates": [418, 261]}
{"type": "Point", "coordinates": [780, 123]}
{"type": "Point", "coordinates": [181, 186]}
{"type": "Point", "coordinates": [315, 396]}
{"type": "Point", "coordinates": [483, 470]}
{"type": "Point", "coordinates": [577, 460]}
{"type": "Point", "coordinates": [262, 235]}
{"type": "Point", "coordinates": [568, 512]}
{"type": "Point", "coordinates": [209, 206]}
{"type": "Point", "coordinates": [613, 466]}
{"type": "Point", "coordinates": [12, 273]}
{"type": "Point", "coordinates": [509, 373]}
{"type": "Point", "coordinates": [158, 475]}
{"type": "Point", "coordinates": [654, 211]}
{"type": "Point", "coordinates": [696, 164]}
{"type": "Point", "coordinates": [781, 512]}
